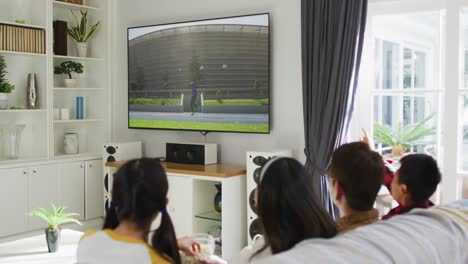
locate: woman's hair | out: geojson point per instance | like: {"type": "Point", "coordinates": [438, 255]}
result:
{"type": "Point", "coordinates": [139, 191]}
{"type": "Point", "coordinates": [288, 208]}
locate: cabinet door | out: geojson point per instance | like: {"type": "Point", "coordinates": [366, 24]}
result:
{"type": "Point", "coordinates": [14, 201]}
{"type": "Point", "coordinates": [43, 190]}
{"type": "Point", "coordinates": [72, 187]}
{"type": "Point", "coordinates": [94, 189]}
{"type": "Point", "coordinates": [180, 204]}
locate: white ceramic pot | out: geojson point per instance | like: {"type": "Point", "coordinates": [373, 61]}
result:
{"type": "Point", "coordinates": [70, 83]}
{"type": "Point", "coordinates": [82, 49]}
{"type": "Point", "coordinates": [3, 101]}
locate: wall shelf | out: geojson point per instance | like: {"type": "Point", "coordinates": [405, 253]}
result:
{"type": "Point", "coordinates": [64, 89]}
{"type": "Point", "coordinates": [76, 58]}
{"type": "Point", "coordinates": [59, 4]}
{"type": "Point", "coordinates": [23, 111]}
{"type": "Point", "coordinates": [21, 25]}
{"type": "Point", "coordinates": [212, 215]}
{"type": "Point", "coordinates": [77, 121]}
{"type": "Point", "coordinates": [89, 155]}
{"type": "Point", "coordinates": [7, 52]}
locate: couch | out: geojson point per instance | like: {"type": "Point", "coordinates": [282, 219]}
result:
{"type": "Point", "coordinates": [436, 235]}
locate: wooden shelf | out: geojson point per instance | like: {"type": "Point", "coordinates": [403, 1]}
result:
{"type": "Point", "coordinates": [7, 52]}
{"type": "Point", "coordinates": [59, 4]}
{"type": "Point", "coordinates": [21, 25]}
{"type": "Point", "coordinates": [77, 121]}
{"type": "Point", "coordinates": [23, 111]}
{"type": "Point", "coordinates": [212, 170]}
{"type": "Point", "coordinates": [64, 89]}
{"type": "Point", "coordinates": [76, 58]}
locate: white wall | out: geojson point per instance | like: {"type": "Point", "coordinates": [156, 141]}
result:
{"type": "Point", "coordinates": [287, 118]}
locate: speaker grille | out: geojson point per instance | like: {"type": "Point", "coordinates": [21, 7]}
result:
{"type": "Point", "coordinates": [111, 150]}
{"type": "Point", "coordinates": [252, 201]}
{"type": "Point", "coordinates": [254, 228]}
{"type": "Point", "coordinates": [110, 159]}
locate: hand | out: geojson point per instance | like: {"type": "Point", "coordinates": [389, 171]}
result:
{"type": "Point", "coordinates": [365, 138]}
{"type": "Point", "coordinates": [188, 246]}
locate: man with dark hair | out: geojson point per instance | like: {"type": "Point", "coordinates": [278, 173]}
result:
{"type": "Point", "coordinates": [356, 176]}
{"type": "Point", "coordinates": [414, 182]}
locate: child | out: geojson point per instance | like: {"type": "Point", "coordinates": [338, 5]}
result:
{"type": "Point", "coordinates": [414, 182]}
{"type": "Point", "coordinates": [288, 209]}
{"type": "Point", "coordinates": [138, 196]}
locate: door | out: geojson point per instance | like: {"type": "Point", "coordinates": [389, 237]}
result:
{"type": "Point", "coordinates": [43, 191]}
{"type": "Point", "coordinates": [94, 188]}
{"type": "Point", "coordinates": [72, 187]}
{"type": "Point", "coordinates": [14, 201]}
{"type": "Point", "coordinates": [180, 204]}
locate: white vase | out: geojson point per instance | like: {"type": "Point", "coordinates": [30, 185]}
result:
{"type": "Point", "coordinates": [70, 83]}
{"type": "Point", "coordinates": [3, 101]}
{"type": "Point", "coordinates": [82, 49]}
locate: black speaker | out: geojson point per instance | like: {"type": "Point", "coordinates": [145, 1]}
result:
{"type": "Point", "coordinates": [200, 154]}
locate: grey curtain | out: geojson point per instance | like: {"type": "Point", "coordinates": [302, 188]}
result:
{"type": "Point", "coordinates": [332, 40]}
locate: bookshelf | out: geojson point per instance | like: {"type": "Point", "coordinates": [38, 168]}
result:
{"type": "Point", "coordinates": [43, 136]}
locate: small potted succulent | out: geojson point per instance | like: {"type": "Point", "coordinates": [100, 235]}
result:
{"type": "Point", "coordinates": [54, 220]}
{"type": "Point", "coordinates": [67, 68]}
{"type": "Point", "coordinates": [82, 33]}
{"type": "Point", "coordinates": [5, 87]}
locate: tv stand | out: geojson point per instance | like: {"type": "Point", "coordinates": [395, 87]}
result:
{"type": "Point", "coordinates": [191, 201]}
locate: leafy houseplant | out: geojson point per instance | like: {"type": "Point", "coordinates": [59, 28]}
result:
{"type": "Point", "coordinates": [82, 33]}
{"type": "Point", "coordinates": [402, 137]}
{"type": "Point", "coordinates": [5, 86]}
{"type": "Point", "coordinates": [67, 68]}
{"type": "Point", "coordinates": [54, 220]}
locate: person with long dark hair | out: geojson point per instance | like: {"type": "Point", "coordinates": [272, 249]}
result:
{"type": "Point", "coordinates": [139, 195]}
{"type": "Point", "coordinates": [288, 208]}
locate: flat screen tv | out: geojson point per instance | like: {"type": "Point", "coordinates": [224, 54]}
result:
{"type": "Point", "coordinates": [207, 75]}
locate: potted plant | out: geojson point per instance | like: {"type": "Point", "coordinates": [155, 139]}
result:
{"type": "Point", "coordinates": [54, 220]}
{"type": "Point", "coordinates": [401, 138]}
{"type": "Point", "coordinates": [5, 87]}
{"type": "Point", "coordinates": [82, 33]}
{"type": "Point", "coordinates": [67, 68]}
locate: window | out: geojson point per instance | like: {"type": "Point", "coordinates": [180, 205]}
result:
{"type": "Point", "coordinates": [401, 97]}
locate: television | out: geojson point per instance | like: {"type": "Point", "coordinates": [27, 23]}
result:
{"type": "Point", "coordinates": [208, 75]}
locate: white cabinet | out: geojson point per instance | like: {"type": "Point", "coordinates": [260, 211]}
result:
{"type": "Point", "coordinates": [76, 185]}
{"type": "Point", "coordinates": [180, 204]}
{"type": "Point", "coordinates": [191, 207]}
{"type": "Point", "coordinates": [43, 190]}
{"type": "Point", "coordinates": [94, 188]}
{"type": "Point", "coordinates": [14, 207]}
{"type": "Point", "coordinates": [72, 187]}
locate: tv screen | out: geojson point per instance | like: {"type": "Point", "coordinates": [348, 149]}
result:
{"type": "Point", "coordinates": [207, 75]}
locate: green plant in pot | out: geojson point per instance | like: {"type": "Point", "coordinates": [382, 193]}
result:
{"type": "Point", "coordinates": [5, 87]}
{"type": "Point", "coordinates": [54, 219]}
{"type": "Point", "coordinates": [81, 32]}
{"type": "Point", "coordinates": [401, 138]}
{"type": "Point", "coordinates": [67, 68]}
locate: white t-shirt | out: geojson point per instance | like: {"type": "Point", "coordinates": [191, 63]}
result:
{"type": "Point", "coordinates": [106, 246]}
{"type": "Point", "coordinates": [246, 253]}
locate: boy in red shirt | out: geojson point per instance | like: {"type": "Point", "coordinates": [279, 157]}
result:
{"type": "Point", "coordinates": [413, 183]}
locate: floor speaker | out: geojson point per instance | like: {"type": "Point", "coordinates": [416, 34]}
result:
{"type": "Point", "coordinates": [255, 161]}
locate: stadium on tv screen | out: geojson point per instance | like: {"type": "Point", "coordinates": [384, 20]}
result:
{"type": "Point", "coordinates": [208, 75]}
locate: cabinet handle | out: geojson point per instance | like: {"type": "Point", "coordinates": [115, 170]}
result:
{"type": "Point", "coordinates": [34, 171]}
{"type": "Point", "coordinates": [90, 165]}
{"type": "Point", "coordinates": [24, 173]}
